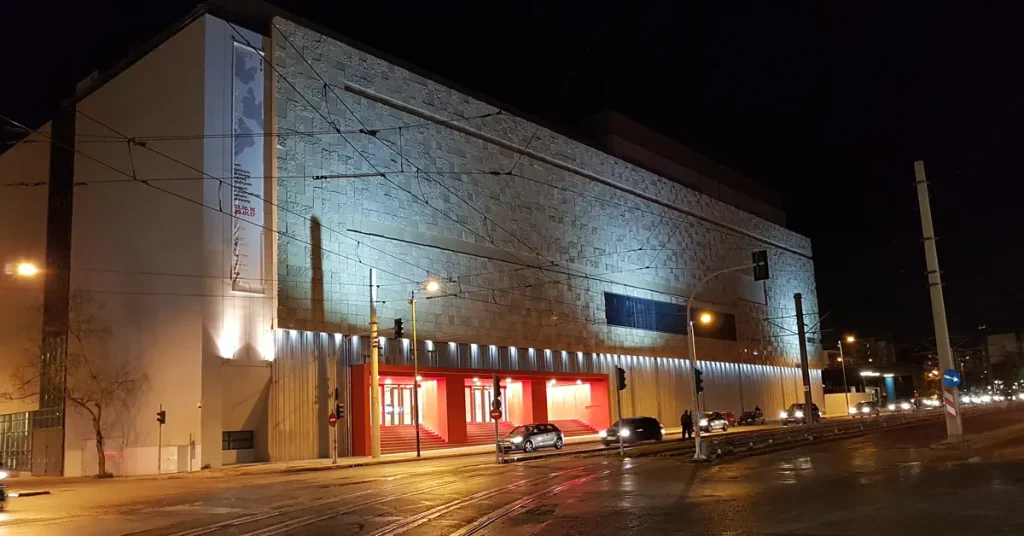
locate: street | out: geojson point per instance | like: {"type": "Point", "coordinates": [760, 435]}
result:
{"type": "Point", "coordinates": [887, 483]}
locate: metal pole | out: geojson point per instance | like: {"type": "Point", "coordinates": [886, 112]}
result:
{"type": "Point", "coordinates": [804, 365]}
{"type": "Point", "coordinates": [374, 372]}
{"type": "Point", "coordinates": [159, 442]}
{"type": "Point", "coordinates": [415, 374]}
{"type": "Point", "coordinates": [337, 418]}
{"type": "Point", "coordinates": [846, 388]}
{"type": "Point", "coordinates": [951, 399]}
{"type": "Point", "coordinates": [618, 403]}
{"type": "Point", "coordinates": [496, 395]}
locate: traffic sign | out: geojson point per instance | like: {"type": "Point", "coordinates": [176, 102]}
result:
{"type": "Point", "coordinates": [495, 414]}
{"type": "Point", "coordinates": [951, 379]}
{"type": "Point", "coordinates": [332, 419]}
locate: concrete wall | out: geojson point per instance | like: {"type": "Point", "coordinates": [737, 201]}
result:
{"type": "Point", "coordinates": [565, 204]}
{"type": "Point", "coordinates": [22, 238]}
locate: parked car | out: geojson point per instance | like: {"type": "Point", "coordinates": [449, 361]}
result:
{"type": "Point", "coordinates": [795, 414]}
{"type": "Point", "coordinates": [903, 405]}
{"type": "Point", "coordinates": [711, 421]}
{"type": "Point", "coordinates": [751, 417]}
{"type": "Point", "coordinates": [634, 429]}
{"type": "Point", "coordinates": [868, 408]}
{"type": "Point", "coordinates": [530, 437]}
{"type": "Point", "coordinates": [730, 417]}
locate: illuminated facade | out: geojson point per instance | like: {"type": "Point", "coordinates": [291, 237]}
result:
{"type": "Point", "coordinates": [282, 164]}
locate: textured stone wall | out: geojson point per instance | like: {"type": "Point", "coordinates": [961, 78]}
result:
{"type": "Point", "coordinates": [525, 245]}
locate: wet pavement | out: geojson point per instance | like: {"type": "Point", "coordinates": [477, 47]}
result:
{"type": "Point", "coordinates": [886, 483]}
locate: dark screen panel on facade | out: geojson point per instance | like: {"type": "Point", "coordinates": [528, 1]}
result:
{"type": "Point", "coordinates": [665, 317]}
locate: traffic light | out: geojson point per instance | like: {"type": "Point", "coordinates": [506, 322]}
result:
{"type": "Point", "coordinates": [622, 377]}
{"type": "Point", "coordinates": [161, 417]}
{"type": "Point", "coordinates": [760, 265]}
{"type": "Point", "coordinates": [399, 331]}
{"type": "Point", "coordinates": [339, 410]}
{"type": "Point", "coordinates": [698, 380]}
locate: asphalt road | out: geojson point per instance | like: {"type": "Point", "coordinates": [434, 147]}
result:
{"type": "Point", "coordinates": [886, 483]}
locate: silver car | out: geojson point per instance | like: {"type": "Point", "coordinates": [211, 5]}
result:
{"type": "Point", "coordinates": [711, 421]}
{"type": "Point", "coordinates": [530, 437]}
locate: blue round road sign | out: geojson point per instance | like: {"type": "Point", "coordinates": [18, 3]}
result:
{"type": "Point", "coordinates": [951, 379]}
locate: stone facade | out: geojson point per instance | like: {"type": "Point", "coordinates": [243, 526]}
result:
{"type": "Point", "coordinates": [524, 242]}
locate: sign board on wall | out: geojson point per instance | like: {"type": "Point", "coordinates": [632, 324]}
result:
{"type": "Point", "coordinates": [247, 172]}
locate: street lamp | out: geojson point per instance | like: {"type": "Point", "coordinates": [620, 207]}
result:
{"type": "Point", "coordinates": [706, 318]}
{"type": "Point", "coordinates": [26, 269]}
{"type": "Point", "coordinates": [846, 389]}
{"type": "Point", "coordinates": [429, 286]}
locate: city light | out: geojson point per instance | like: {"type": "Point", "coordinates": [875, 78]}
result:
{"type": "Point", "coordinates": [705, 318]}
{"type": "Point", "coordinates": [432, 286]}
{"type": "Point", "coordinates": [850, 338]}
{"type": "Point", "coordinates": [26, 269]}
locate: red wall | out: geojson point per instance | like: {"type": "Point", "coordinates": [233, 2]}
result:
{"type": "Point", "coordinates": [599, 412]}
{"type": "Point", "coordinates": [455, 409]}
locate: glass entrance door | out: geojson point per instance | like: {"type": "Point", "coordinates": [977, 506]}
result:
{"type": "Point", "coordinates": [478, 403]}
{"type": "Point", "coordinates": [396, 405]}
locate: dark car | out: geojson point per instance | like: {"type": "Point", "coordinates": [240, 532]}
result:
{"type": "Point", "coordinates": [634, 429]}
{"type": "Point", "coordinates": [530, 437]}
{"type": "Point", "coordinates": [751, 417]}
{"type": "Point", "coordinates": [903, 405]}
{"type": "Point", "coordinates": [795, 414]}
{"type": "Point", "coordinates": [713, 420]}
{"type": "Point", "coordinates": [865, 409]}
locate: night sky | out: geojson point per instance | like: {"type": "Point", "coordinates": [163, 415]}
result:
{"type": "Point", "coordinates": [828, 102]}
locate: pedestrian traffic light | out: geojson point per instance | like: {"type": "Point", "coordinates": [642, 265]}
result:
{"type": "Point", "coordinates": [339, 410]}
{"type": "Point", "coordinates": [622, 377]}
{"type": "Point", "coordinates": [760, 265]}
{"type": "Point", "coordinates": [399, 332]}
{"type": "Point", "coordinates": [698, 380]}
{"type": "Point", "coordinates": [161, 417]}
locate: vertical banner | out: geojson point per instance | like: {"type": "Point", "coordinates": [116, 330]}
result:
{"type": "Point", "coordinates": [247, 170]}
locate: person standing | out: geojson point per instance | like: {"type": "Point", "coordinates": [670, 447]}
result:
{"type": "Point", "coordinates": [687, 422]}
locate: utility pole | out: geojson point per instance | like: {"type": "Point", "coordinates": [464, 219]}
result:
{"type": "Point", "coordinates": [950, 395]}
{"type": "Point", "coordinates": [842, 362]}
{"type": "Point", "coordinates": [804, 365]}
{"type": "Point", "coordinates": [374, 372]}
{"type": "Point", "coordinates": [415, 374]}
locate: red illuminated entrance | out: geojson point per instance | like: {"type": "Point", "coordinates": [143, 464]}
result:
{"type": "Point", "coordinates": [455, 404]}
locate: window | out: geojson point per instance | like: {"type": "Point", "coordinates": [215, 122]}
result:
{"type": "Point", "coordinates": [665, 317]}
{"type": "Point", "coordinates": [240, 440]}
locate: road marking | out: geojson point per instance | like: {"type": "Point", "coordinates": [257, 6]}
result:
{"type": "Point", "coordinates": [419, 519]}
{"type": "Point", "coordinates": [513, 508]}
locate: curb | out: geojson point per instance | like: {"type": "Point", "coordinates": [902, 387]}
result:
{"type": "Point", "coordinates": [27, 493]}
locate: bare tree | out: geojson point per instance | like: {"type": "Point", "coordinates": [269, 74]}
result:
{"type": "Point", "coordinates": [101, 383]}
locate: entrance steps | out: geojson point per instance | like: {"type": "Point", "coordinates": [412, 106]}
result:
{"type": "Point", "coordinates": [482, 433]}
{"type": "Point", "coordinates": [402, 438]}
{"type": "Point", "coordinates": [574, 427]}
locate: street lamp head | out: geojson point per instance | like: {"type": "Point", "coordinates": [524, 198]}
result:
{"type": "Point", "coordinates": [26, 269]}
{"type": "Point", "coordinates": [432, 286]}
{"type": "Point", "coordinates": [850, 338]}
{"type": "Point", "coordinates": [705, 318]}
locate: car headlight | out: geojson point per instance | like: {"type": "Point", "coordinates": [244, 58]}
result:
{"type": "Point", "coordinates": [865, 410]}
{"type": "Point", "coordinates": [602, 433]}
{"type": "Point", "coordinates": [3, 475]}
{"type": "Point", "coordinates": [783, 415]}
{"type": "Point", "coordinates": [853, 411]}
{"type": "Point", "coordinates": [624, 432]}
{"type": "Point", "coordinates": [904, 406]}
{"type": "Point", "coordinates": [517, 440]}
{"type": "Point", "coordinates": [703, 422]}
{"type": "Point", "coordinates": [798, 414]}
{"type": "Point", "coordinates": [892, 407]}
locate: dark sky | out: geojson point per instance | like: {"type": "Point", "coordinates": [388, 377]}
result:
{"type": "Point", "coordinates": [829, 102]}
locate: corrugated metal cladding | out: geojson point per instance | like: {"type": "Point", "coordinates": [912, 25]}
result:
{"type": "Point", "coordinates": [656, 386]}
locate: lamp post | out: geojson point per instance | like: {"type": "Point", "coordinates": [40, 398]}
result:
{"type": "Point", "coordinates": [22, 269]}
{"type": "Point", "coordinates": [842, 361]}
{"type": "Point", "coordinates": [430, 286]}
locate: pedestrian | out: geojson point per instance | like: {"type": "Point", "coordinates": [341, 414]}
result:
{"type": "Point", "coordinates": [687, 422]}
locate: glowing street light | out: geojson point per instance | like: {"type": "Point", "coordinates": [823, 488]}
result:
{"type": "Point", "coordinates": [26, 269]}
{"type": "Point", "coordinates": [850, 338]}
{"type": "Point", "coordinates": [706, 318]}
{"type": "Point", "coordinates": [432, 286]}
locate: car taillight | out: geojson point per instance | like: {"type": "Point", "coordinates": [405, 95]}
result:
{"type": "Point", "coordinates": [662, 426]}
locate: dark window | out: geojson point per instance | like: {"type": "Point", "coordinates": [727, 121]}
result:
{"type": "Point", "coordinates": [240, 440]}
{"type": "Point", "coordinates": [653, 315]}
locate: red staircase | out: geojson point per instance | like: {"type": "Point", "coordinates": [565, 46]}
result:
{"type": "Point", "coordinates": [482, 433]}
{"type": "Point", "coordinates": [402, 438]}
{"type": "Point", "coordinates": [574, 428]}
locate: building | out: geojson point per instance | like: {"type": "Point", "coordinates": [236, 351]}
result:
{"type": "Point", "coordinates": [223, 195]}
